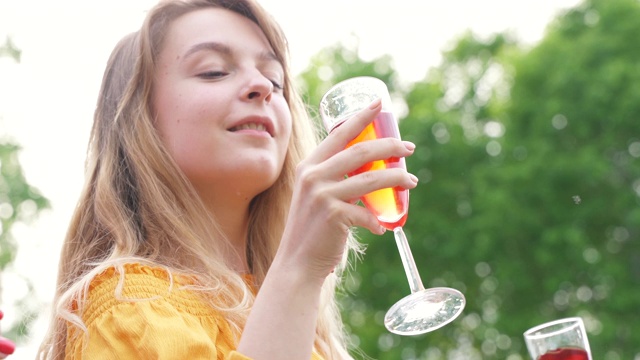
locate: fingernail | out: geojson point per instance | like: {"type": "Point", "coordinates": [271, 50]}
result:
{"type": "Point", "coordinates": [413, 178]}
{"type": "Point", "coordinates": [375, 104]}
{"type": "Point", "coordinates": [409, 145]}
{"type": "Point", "coordinates": [7, 346]}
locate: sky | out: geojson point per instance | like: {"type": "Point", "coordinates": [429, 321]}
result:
{"type": "Point", "coordinates": [47, 100]}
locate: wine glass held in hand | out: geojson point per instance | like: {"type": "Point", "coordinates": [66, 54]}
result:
{"type": "Point", "coordinates": [423, 310]}
{"type": "Point", "coordinates": [564, 339]}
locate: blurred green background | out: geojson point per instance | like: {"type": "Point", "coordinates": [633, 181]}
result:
{"type": "Point", "coordinates": [529, 194]}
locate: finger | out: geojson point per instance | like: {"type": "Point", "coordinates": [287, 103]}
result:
{"type": "Point", "coordinates": [356, 156]}
{"type": "Point", "coordinates": [357, 186]}
{"type": "Point", "coordinates": [361, 217]}
{"type": "Point", "coordinates": [340, 137]}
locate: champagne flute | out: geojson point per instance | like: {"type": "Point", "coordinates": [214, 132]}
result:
{"type": "Point", "coordinates": [423, 310]}
{"type": "Point", "coordinates": [563, 339]}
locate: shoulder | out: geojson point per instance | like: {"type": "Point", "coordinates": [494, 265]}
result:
{"type": "Point", "coordinates": [135, 283]}
{"type": "Point", "coordinates": [146, 312]}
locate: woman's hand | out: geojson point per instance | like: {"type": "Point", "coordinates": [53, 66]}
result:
{"type": "Point", "coordinates": [323, 209]}
{"type": "Point", "coordinates": [324, 205]}
{"type": "Point", "coordinates": [7, 347]}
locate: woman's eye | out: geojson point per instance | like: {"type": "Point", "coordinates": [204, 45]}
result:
{"type": "Point", "coordinates": [276, 84]}
{"type": "Point", "coordinates": [212, 74]}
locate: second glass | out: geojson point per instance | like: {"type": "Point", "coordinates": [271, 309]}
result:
{"type": "Point", "coordinates": [423, 310]}
{"type": "Point", "coordinates": [563, 339]}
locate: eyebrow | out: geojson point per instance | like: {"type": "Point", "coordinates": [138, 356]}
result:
{"type": "Point", "coordinates": [224, 50]}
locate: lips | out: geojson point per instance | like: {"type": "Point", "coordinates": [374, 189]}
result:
{"type": "Point", "coordinates": [255, 123]}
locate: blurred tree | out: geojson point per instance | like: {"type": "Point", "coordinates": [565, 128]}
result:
{"type": "Point", "coordinates": [337, 63]}
{"type": "Point", "coordinates": [574, 145]}
{"type": "Point", "coordinates": [445, 102]}
{"type": "Point", "coordinates": [9, 49]}
{"type": "Point", "coordinates": [529, 200]}
{"type": "Point", "coordinates": [19, 202]}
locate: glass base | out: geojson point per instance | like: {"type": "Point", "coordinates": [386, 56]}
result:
{"type": "Point", "coordinates": [424, 311]}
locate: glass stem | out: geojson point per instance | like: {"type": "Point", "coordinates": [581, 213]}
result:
{"type": "Point", "coordinates": [410, 268]}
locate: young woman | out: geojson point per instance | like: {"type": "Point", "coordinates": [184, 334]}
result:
{"type": "Point", "coordinates": [212, 223]}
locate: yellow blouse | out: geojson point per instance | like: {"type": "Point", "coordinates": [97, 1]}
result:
{"type": "Point", "coordinates": [162, 324]}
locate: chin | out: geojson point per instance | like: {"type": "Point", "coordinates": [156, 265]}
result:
{"type": "Point", "coordinates": [264, 182]}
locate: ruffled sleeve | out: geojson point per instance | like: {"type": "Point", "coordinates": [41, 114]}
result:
{"type": "Point", "coordinates": [146, 314]}
{"type": "Point", "coordinates": [151, 318]}
{"type": "Point", "coordinates": [146, 330]}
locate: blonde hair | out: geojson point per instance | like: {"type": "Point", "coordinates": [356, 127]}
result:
{"type": "Point", "coordinates": [137, 206]}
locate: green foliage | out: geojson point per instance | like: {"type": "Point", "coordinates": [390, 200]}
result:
{"type": "Point", "coordinates": [574, 115]}
{"type": "Point", "coordinates": [19, 202]}
{"type": "Point", "coordinates": [9, 49]}
{"type": "Point", "coordinates": [529, 200]}
{"type": "Point", "coordinates": [335, 64]}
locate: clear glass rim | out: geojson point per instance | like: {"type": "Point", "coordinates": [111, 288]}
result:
{"type": "Point", "coordinates": [533, 333]}
{"type": "Point", "coordinates": [331, 121]}
{"type": "Point", "coordinates": [351, 80]}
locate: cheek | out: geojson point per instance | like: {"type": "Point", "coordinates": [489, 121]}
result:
{"type": "Point", "coordinates": [166, 111]}
{"type": "Point", "coordinates": [191, 153]}
{"type": "Point", "coordinates": [287, 126]}
{"type": "Point", "coordinates": [179, 117]}
{"type": "Point", "coordinates": [284, 115]}
{"type": "Point", "coordinates": [178, 130]}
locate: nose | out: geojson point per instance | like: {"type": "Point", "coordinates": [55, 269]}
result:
{"type": "Point", "coordinates": [258, 88]}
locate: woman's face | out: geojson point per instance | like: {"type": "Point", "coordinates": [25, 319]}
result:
{"type": "Point", "coordinates": [219, 105]}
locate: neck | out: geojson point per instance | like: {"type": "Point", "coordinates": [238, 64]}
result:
{"type": "Point", "coordinates": [231, 212]}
